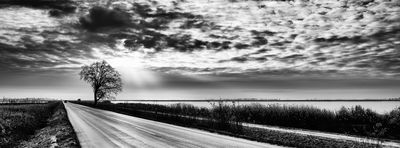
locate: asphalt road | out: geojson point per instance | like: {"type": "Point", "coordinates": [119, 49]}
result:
{"type": "Point", "coordinates": [100, 128]}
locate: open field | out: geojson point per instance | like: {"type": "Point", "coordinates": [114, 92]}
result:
{"type": "Point", "coordinates": [228, 119]}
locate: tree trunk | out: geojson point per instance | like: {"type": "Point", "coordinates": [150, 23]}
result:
{"type": "Point", "coordinates": [95, 97]}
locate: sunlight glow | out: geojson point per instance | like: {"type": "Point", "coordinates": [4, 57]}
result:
{"type": "Point", "coordinates": [133, 72]}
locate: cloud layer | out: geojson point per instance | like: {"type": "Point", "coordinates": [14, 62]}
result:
{"type": "Point", "coordinates": [260, 39]}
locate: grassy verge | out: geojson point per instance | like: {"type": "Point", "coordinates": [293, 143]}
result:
{"type": "Point", "coordinates": [18, 122]}
{"type": "Point", "coordinates": [299, 140]}
{"type": "Point", "coordinates": [36, 125]}
{"type": "Point", "coordinates": [57, 133]}
{"type": "Point", "coordinates": [228, 126]}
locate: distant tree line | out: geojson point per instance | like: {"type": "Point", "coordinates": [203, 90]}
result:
{"type": "Point", "coordinates": [5, 100]}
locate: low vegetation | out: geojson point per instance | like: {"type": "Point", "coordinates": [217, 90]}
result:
{"type": "Point", "coordinates": [57, 133]}
{"type": "Point", "coordinates": [354, 121]}
{"type": "Point", "coordinates": [20, 122]}
{"type": "Point", "coordinates": [228, 118]}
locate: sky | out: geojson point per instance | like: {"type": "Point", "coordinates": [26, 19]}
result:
{"type": "Point", "coordinates": [204, 50]}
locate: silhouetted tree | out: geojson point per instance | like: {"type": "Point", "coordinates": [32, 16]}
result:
{"type": "Point", "coordinates": [103, 78]}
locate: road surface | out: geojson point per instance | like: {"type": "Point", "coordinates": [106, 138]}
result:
{"type": "Point", "coordinates": [100, 128]}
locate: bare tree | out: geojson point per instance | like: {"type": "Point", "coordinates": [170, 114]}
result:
{"type": "Point", "coordinates": [103, 78]}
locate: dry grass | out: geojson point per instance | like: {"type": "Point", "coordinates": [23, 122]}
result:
{"type": "Point", "coordinates": [18, 122]}
{"type": "Point", "coordinates": [57, 133]}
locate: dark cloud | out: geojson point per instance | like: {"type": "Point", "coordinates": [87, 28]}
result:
{"type": "Point", "coordinates": [262, 33]}
{"type": "Point", "coordinates": [158, 41]}
{"type": "Point", "coordinates": [179, 42]}
{"type": "Point", "coordinates": [261, 51]}
{"type": "Point", "coordinates": [99, 17]}
{"type": "Point", "coordinates": [259, 41]}
{"type": "Point", "coordinates": [143, 27]}
{"type": "Point", "coordinates": [161, 17]}
{"type": "Point", "coordinates": [65, 6]}
{"type": "Point", "coordinates": [222, 36]}
{"type": "Point", "coordinates": [147, 11]}
{"type": "Point", "coordinates": [241, 46]}
{"type": "Point", "coordinates": [239, 59]}
{"type": "Point", "coordinates": [354, 39]}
